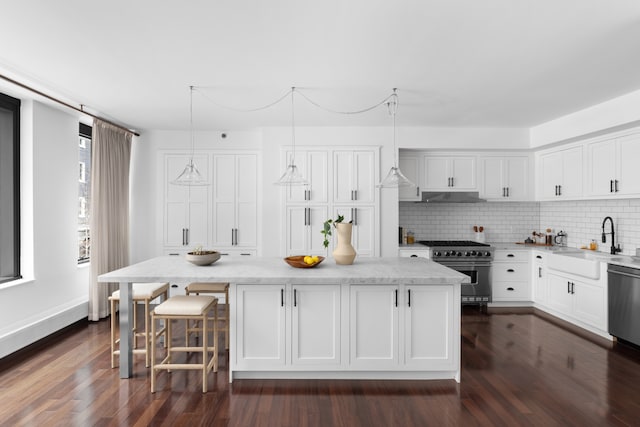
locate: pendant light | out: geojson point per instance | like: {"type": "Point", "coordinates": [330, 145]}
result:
{"type": "Point", "coordinates": [395, 178]}
{"type": "Point", "coordinates": [292, 175]}
{"type": "Point", "coordinates": [190, 176]}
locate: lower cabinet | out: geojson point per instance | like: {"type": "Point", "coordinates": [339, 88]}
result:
{"type": "Point", "coordinates": [511, 276]}
{"type": "Point", "coordinates": [582, 300]}
{"type": "Point", "coordinates": [346, 327]}
{"type": "Point", "coordinates": [287, 324]}
{"type": "Point", "coordinates": [539, 279]}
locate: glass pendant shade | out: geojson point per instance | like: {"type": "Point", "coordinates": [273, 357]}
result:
{"type": "Point", "coordinates": [190, 176]}
{"type": "Point", "coordinates": [291, 176]}
{"type": "Point", "coordinates": [395, 179]}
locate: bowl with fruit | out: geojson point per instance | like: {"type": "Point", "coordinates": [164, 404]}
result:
{"type": "Point", "coordinates": [304, 261]}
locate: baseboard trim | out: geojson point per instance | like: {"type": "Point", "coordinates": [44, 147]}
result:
{"type": "Point", "coordinates": [34, 332]}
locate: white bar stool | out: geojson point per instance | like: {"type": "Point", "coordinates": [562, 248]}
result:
{"type": "Point", "coordinates": [142, 293]}
{"type": "Point", "coordinates": [182, 307]}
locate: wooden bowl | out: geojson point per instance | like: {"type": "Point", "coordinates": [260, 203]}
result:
{"type": "Point", "coordinates": [297, 261]}
{"type": "Point", "coordinates": [203, 257]}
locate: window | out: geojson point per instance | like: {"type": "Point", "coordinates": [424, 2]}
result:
{"type": "Point", "coordinates": [84, 196]}
{"type": "Point", "coordinates": [9, 188]}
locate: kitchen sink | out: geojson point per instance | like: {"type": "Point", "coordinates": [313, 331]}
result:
{"type": "Point", "coordinates": [580, 263]}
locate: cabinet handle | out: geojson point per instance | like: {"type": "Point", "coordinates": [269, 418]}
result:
{"type": "Point", "coordinates": [281, 297]}
{"type": "Point", "coordinates": [539, 271]}
{"type": "Point", "coordinates": [295, 298]}
{"type": "Point", "coordinates": [412, 256]}
{"type": "Point", "coordinates": [510, 270]}
{"type": "Point", "coordinates": [245, 254]}
{"type": "Point", "coordinates": [232, 237]}
{"type": "Point", "coordinates": [307, 194]}
{"type": "Point", "coordinates": [396, 297]}
{"type": "Point", "coordinates": [409, 297]}
{"type": "Point", "coordinates": [568, 287]}
{"type": "Point", "coordinates": [510, 288]}
{"type": "Point", "coordinates": [616, 184]}
{"type": "Point", "coordinates": [504, 194]}
{"type": "Point", "coordinates": [510, 255]}
{"type": "Point", "coordinates": [507, 191]}
{"type": "Point", "coordinates": [417, 191]}
{"type": "Point", "coordinates": [539, 256]}
{"type": "Point", "coordinates": [355, 216]}
{"type": "Point", "coordinates": [559, 190]}
{"type": "Point", "coordinates": [174, 254]}
{"type": "Point", "coordinates": [573, 288]}
{"type": "Point", "coordinates": [610, 186]}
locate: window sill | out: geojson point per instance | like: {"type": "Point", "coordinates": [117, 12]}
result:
{"type": "Point", "coordinates": [18, 282]}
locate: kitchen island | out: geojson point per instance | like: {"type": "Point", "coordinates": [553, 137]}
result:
{"type": "Point", "coordinates": [392, 318]}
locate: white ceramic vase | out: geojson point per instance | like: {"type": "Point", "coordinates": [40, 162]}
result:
{"type": "Point", "coordinates": [344, 253]}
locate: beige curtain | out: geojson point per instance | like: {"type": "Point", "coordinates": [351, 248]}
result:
{"type": "Point", "coordinates": [109, 221]}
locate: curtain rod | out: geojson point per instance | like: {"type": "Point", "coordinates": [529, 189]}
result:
{"type": "Point", "coordinates": [80, 110]}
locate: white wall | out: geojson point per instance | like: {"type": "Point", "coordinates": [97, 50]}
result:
{"type": "Point", "coordinates": [54, 292]}
{"type": "Point", "coordinates": [615, 114]}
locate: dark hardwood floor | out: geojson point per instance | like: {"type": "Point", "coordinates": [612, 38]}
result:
{"type": "Point", "coordinates": [517, 369]}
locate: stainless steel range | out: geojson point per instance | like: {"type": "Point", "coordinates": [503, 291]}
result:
{"type": "Point", "coordinates": [468, 257]}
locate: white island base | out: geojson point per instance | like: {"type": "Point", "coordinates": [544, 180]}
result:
{"type": "Point", "coordinates": [376, 319]}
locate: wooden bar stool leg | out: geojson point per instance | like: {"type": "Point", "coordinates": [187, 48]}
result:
{"type": "Point", "coordinates": [205, 350]}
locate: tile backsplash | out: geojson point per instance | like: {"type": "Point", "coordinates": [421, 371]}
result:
{"type": "Point", "coordinates": [514, 222]}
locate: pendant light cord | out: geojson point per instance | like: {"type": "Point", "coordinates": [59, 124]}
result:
{"type": "Point", "coordinates": [392, 106]}
{"type": "Point", "coordinates": [293, 128]}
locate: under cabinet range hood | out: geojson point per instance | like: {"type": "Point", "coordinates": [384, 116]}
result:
{"type": "Point", "coordinates": [451, 197]}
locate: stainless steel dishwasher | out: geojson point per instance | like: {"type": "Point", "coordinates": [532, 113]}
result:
{"type": "Point", "coordinates": [624, 303]}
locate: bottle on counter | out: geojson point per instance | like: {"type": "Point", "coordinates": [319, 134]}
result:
{"type": "Point", "coordinates": [410, 238]}
{"type": "Point", "coordinates": [593, 245]}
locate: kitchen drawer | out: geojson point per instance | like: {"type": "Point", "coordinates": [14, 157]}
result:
{"type": "Point", "coordinates": [501, 255]}
{"type": "Point", "coordinates": [511, 272]}
{"type": "Point", "coordinates": [510, 291]}
{"type": "Point", "coordinates": [410, 253]}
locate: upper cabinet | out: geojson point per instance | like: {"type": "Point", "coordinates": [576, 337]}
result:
{"type": "Point", "coordinates": [314, 166]}
{"type": "Point", "coordinates": [560, 174]}
{"type": "Point", "coordinates": [235, 200]}
{"type": "Point", "coordinates": [222, 215]}
{"type": "Point", "coordinates": [185, 220]}
{"type": "Point", "coordinates": [354, 176]}
{"type": "Point", "coordinates": [342, 181]}
{"type": "Point", "coordinates": [612, 167]}
{"type": "Point", "coordinates": [410, 165]}
{"type": "Point", "coordinates": [449, 173]}
{"type": "Point", "coordinates": [505, 178]}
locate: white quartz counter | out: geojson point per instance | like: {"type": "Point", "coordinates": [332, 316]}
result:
{"type": "Point", "coordinates": [268, 270]}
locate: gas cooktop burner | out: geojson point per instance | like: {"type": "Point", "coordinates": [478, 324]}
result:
{"type": "Point", "coordinates": [451, 243]}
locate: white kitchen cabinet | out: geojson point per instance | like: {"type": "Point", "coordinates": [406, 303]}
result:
{"type": "Point", "coordinates": [428, 318]}
{"type": "Point", "coordinates": [511, 276]}
{"type": "Point", "coordinates": [263, 313]}
{"type": "Point", "coordinates": [582, 301]}
{"type": "Point", "coordinates": [505, 178]}
{"type": "Point", "coordinates": [410, 167]}
{"type": "Point", "coordinates": [449, 173]}
{"type": "Point", "coordinates": [354, 177]}
{"type": "Point", "coordinates": [560, 174]}
{"type": "Point", "coordinates": [316, 325]}
{"type": "Point", "coordinates": [314, 167]}
{"type": "Point", "coordinates": [612, 167]}
{"type": "Point", "coordinates": [235, 201]}
{"type": "Point", "coordinates": [261, 328]}
{"type": "Point", "coordinates": [373, 335]}
{"type": "Point", "coordinates": [186, 219]}
{"type": "Point", "coordinates": [348, 178]}
{"type": "Point", "coordinates": [413, 253]}
{"type": "Point", "coordinates": [303, 230]}
{"type": "Point", "coordinates": [539, 279]}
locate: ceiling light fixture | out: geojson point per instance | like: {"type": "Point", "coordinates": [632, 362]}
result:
{"type": "Point", "coordinates": [395, 177]}
{"type": "Point", "coordinates": [292, 175]}
{"type": "Point", "coordinates": [190, 176]}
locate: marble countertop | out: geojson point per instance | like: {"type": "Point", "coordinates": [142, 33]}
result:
{"type": "Point", "coordinates": [269, 270]}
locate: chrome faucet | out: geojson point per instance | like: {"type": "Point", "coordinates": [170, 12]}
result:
{"type": "Point", "coordinates": [614, 249]}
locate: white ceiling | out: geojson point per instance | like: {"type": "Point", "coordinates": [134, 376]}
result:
{"type": "Point", "coordinates": [487, 63]}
